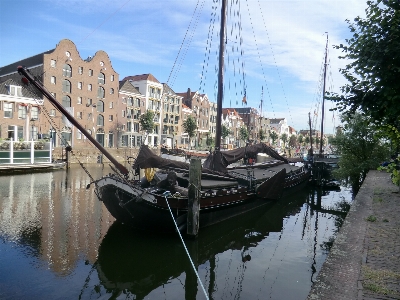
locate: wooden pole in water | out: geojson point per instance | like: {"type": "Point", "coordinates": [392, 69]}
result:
{"type": "Point", "coordinates": [194, 197]}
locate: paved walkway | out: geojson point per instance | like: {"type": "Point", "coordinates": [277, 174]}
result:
{"type": "Point", "coordinates": [364, 262]}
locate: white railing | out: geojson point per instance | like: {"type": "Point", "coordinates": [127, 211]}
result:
{"type": "Point", "coordinates": [25, 152]}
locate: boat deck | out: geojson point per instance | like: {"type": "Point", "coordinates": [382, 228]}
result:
{"type": "Point", "coordinates": [261, 174]}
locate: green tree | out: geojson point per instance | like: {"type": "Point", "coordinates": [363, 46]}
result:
{"type": "Point", "coordinates": [274, 136]}
{"type": "Point", "coordinates": [262, 134]}
{"type": "Point", "coordinates": [373, 70]}
{"type": "Point", "coordinates": [292, 141]}
{"type": "Point", "coordinates": [284, 139]}
{"type": "Point", "coordinates": [146, 122]}
{"type": "Point", "coordinates": [190, 127]}
{"type": "Point", "coordinates": [300, 139]}
{"type": "Point", "coordinates": [360, 148]}
{"type": "Point", "coordinates": [307, 140]}
{"type": "Point", "coordinates": [243, 133]}
{"type": "Point", "coordinates": [225, 131]}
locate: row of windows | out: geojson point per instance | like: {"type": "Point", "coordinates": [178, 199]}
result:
{"type": "Point", "coordinates": [22, 111]}
{"type": "Point", "coordinates": [67, 72]}
{"type": "Point", "coordinates": [66, 87]}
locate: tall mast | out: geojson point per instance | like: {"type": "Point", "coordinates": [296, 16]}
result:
{"type": "Point", "coordinates": [37, 84]}
{"type": "Point", "coordinates": [220, 77]}
{"type": "Point", "coordinates": [323, 97]}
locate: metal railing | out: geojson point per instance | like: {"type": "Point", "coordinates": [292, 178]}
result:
{"type": "Point", "coordinates": [25, 152]}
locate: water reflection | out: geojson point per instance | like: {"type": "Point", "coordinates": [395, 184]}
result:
{"type": "Point", "coordinates": [273, 252]}
{"type": "Point", "coordinates": [54, 215]}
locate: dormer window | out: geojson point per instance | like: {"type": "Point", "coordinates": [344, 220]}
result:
{"type": "Point", "coordinates": [15, 90]}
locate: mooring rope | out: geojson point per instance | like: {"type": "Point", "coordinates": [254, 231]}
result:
{"type": "Point", "coordinates": [166, 194]}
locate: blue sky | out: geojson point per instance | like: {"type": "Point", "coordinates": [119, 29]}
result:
{"type": "Point", "coordinates": [282, 49]}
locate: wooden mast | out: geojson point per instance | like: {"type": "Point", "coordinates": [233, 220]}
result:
{"type": "Point", "coordinates": [28, 76]}
{"type": "Point", "coordinates": [220, 95]}
{"type": "Point", "coordinates": [323, 98]}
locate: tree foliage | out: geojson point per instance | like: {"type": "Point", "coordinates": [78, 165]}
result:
{"type": "Point", "coordinates": [190, 127]}
{"type": "Point", "coordinates": [225, 131]}
{"type": "Point", "coordinates": [360, 148]}
{"type": "Point", "coordinates": [146, 121]}
{"type": "Point", "coordinates": [284, 139]}
{"type": "Point", "coordinates": [292, 141]}
{"type": "Point", "coordinates": [262, 134]}
{"type": "Point", "coordinates": [274, 136]}
{"type": "Point", "coordinates": [373, 71]}
{"type": "Point", "coordinates": [243, 133]}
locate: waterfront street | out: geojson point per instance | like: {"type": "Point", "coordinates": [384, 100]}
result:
{"type": "Point", "coordinates": [364, 262]}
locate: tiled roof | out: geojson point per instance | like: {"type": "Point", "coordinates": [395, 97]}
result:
{"type": "Point", "coordinates": [142, 77]}
{"type": "Point", "coordinates": [276, 121]}
{"type": "Point", "coordinates": [27, 62]}
{"type": "Point", "coordinates": [25, 92]}
{"type": "Point", "coordinates": [126, 86]}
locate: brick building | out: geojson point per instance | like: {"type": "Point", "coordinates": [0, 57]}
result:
{"type": "Point", "coordinates": [88, 88]}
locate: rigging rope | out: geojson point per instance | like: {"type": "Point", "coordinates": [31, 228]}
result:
{"type": "Point", "coordinates": [166, 194]}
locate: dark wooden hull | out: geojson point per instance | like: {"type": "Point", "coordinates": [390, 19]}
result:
{"type": "Point", "coordinates": [148, 208]}
{"type": "Point", "coordinates": [151, 210]}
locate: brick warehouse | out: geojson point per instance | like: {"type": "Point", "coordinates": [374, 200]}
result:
{"type": "Point", "coordinates": [88, 87]}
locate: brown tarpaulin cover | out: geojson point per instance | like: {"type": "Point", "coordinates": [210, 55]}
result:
{"type": "Point", "coordinates": [218, 161]}
{"type": "Point", "coordinates": [215, 163]}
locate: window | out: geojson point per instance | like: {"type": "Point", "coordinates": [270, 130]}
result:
{"type": "Point", "coordinates": [100, 106]}
{"type": "Point", "coordinates": [35, 113]}
{"type": "Point", "coordinates": [67, 71]}
{"type": "Point", "coordinates": [80, 85]}
{"type": "Point", "coordinates": [53, 63]}
{"type": "Point", "coordinates": [88, 102]}
{"type": "Point", "coordinates": [100, 92]}
{"type": "Point", "coordinates": [110, 118]}
{"type": "Point", "coordinates": [8, 110]}
{"type": "Point", "coordinates": [111, 104]}
{"type": "Point", "coordinates": [79, 115]}
{"type": "Point", "coordinates": [66, 101]}
{"type": "Point", "coordinates": [135, 127]}
{"type": "Point", "coordinates": [101, 78]}
{"type": "Point", "coordinates": [123, 113]}
{"type": "Point", "coordinates": [111, 91]}
{"type": "Point", "coordinates": [53, 79]}
{"type": "Point", "coordinates": [79, 100]}
{"type": "Point", "coordinates": [52, 112]}
{"type": "Point", "coordinates": [112, 78]}
{"type": "Point", "coordinates": [78, 135]}
{"type": "Point", "coordinates": [14, 90]}
{"type": "Point", "coordinates": [130, 101]}
{"type": "Point", "coordinates": [100, 120]}
{"type": "Point", "coordinates": [137, 102]}
{"type": "Point", "coordinates": [22, 112]}
{"type": "Point", "coordinates": [89, 87]}
{"type": "Point", "coordinates": [66, 87]}
{"type": "Point", "coordinates": [89, 117]}
{"type": "Point", "coordinates": [80, 70]}
{"type": "Point", "coordinates": [90, 72]}
{"type": "Point", "coordinates": [54, 95]}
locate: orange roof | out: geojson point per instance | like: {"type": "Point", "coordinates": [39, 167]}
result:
{"type": "Point", "coordinates": [149, 77]}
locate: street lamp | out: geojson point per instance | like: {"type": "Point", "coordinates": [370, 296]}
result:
{"type": "Point", "coordinates": [33, 127]}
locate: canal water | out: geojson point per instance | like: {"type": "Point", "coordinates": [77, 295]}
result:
{"type": "Point", "coordinates": [57, 241]}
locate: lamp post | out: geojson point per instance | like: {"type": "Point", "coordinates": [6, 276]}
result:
{"type": "Point", "coordinates": [32, 127]}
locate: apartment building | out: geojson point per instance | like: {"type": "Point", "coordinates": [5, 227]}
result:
{"type": "Point", "coordinates": [131, 105]}
{"type": "Point", "coordinates": [19, 112]}
{"type": "Point", "coordinates": [171, 117]}
{"type": "Point", "coordinates": [152, 90]}
{"type": "Point", "coordinates": [200, 106]}
{"type": "Point", "coordinates": [87, 88]}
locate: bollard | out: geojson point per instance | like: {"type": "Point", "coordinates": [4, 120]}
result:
{"type": "Point", "coordinates": [194, 197]}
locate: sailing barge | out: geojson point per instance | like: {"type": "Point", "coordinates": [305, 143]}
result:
{"type": "Point", "coordinates": [223, 192]}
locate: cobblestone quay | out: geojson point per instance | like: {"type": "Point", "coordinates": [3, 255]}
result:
{"type": "Point", "coordinates": [364, 262]}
